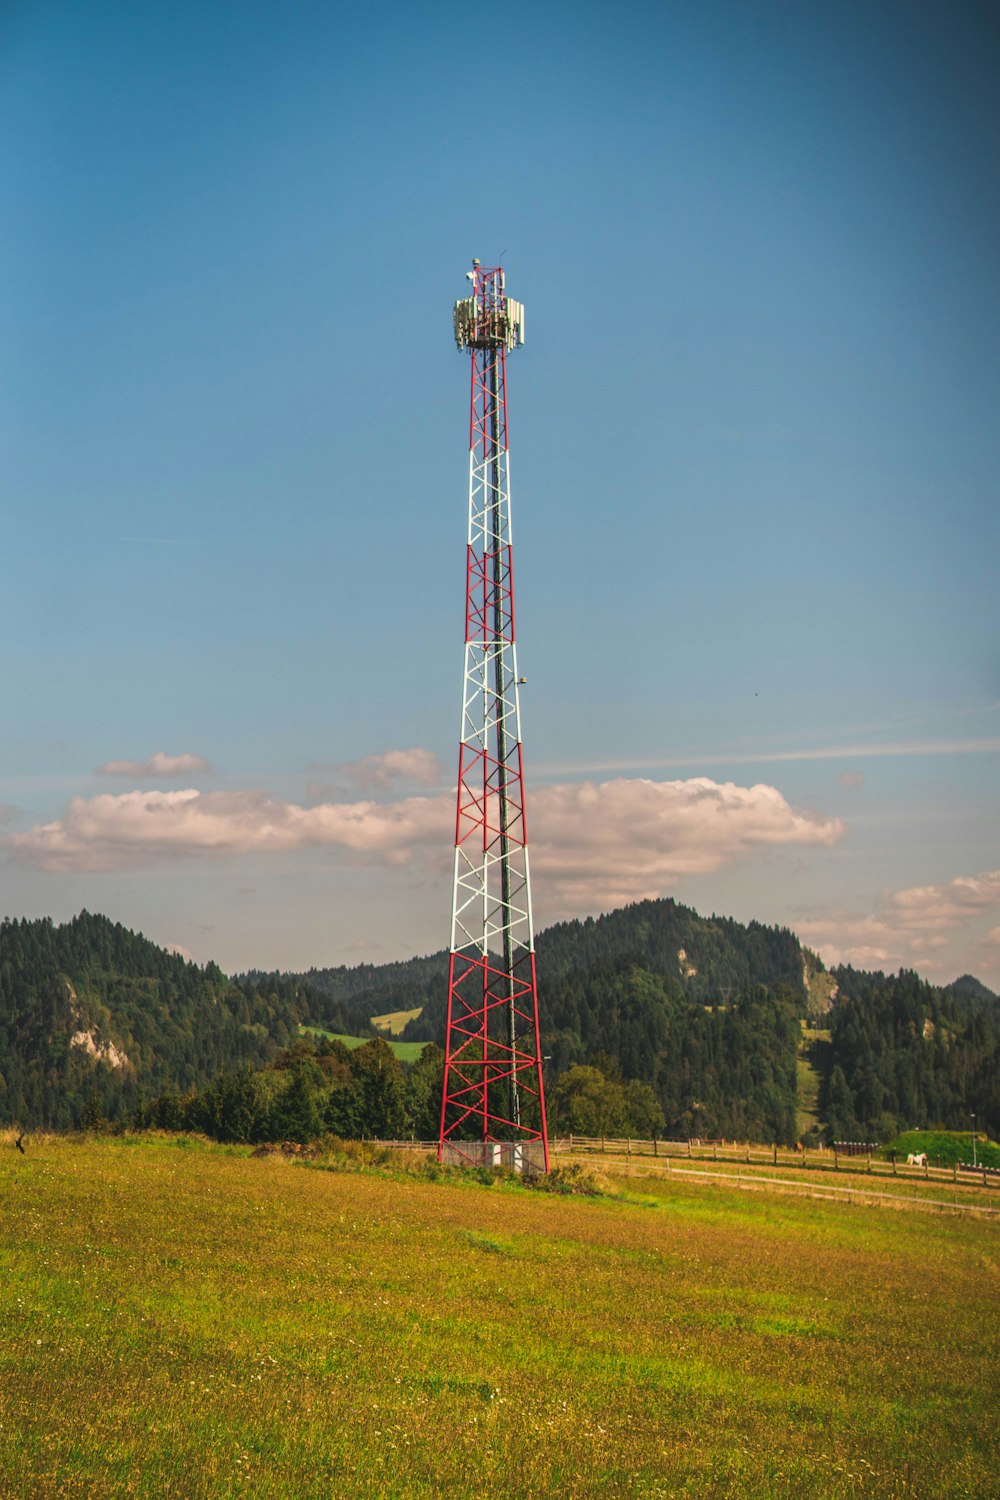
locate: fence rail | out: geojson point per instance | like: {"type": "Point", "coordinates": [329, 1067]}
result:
{"type": "Point", "coordinates": [814, 1158]}
{"type": "Point", "coordinates": [639, 1154]}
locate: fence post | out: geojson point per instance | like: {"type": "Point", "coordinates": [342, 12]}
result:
{"type": "Point", "coordinates": [689, 1145]}
{"type": "Point", "coordinates": [602, 1145]}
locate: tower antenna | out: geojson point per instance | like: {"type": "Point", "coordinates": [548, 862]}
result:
{"type": "Point", "coordinates": [493, 1099]}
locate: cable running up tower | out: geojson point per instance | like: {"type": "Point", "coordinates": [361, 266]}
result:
{"type": "Point", "coordinates": [493, 1101]}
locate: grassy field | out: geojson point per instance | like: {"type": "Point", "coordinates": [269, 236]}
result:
{"type": "Point", "coordinates": [185, 1320]}
{"type": "Point", "coordinates": [407, 1052]}
{"type": "Point", "coordinates": [807, 1116]}
{"type": "Point", "coordinates": [855, 1180]}
{"type": "Point", "coordinates": [394, 1021]}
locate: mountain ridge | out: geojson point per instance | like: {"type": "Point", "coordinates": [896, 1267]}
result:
{"type": "Point", "coordinates": [705, 1013]}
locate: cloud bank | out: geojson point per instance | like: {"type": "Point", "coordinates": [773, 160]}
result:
{"type": "Point", "coordinates": [157, 765]}
{"type": "Point", "coordinates": [600, 844]}
{"type": "Point", "coordinates": [378, 775]}
{"type": "Point", "coordinates": [115, 832]}
{"type": "Point", "coordinates": [379, 772]}
{"type": "Point", "coordinates": [594, 844]}
{"type": "Point", "coordinates": [911, 927]}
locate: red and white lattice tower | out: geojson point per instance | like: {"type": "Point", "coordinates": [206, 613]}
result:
{"type": "Point", "coordinates": [493, 1103]}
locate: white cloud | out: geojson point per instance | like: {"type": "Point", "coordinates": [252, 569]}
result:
{"type": "Point", "coordinates": [915, 927]}
{"type": "Point", "coordinates": [593, 845]}
{"type": "Point", "coordinates": [992, 938]}
{"type": "Point", "coordinates": [848, 946]}
{"type": "Point", "coordinates": [377, 774]}
{"type": "Point", "coordinates": [158, 764]}
{"type": "Point", "coordinates": [851, 780]}
{"type": "Point", "coordinates": [945, 906]}
{"type": "Point", "coordinates": [110, 832]}
{"type": "Point", "coordinates": [597, 845]}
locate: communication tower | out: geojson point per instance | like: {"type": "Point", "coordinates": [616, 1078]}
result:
{"type": "Point", "coordinates": [493, 1100]}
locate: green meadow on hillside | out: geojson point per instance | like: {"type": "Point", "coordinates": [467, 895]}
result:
{"type": "Point", "coordinates": [407, 1052]}
{"type": "Point", "coordinates": [943, 1147]}
{"type": "Point", "coordinates": [396, 1021]}
{"type": "Point", "coordinates": [186, 1320]}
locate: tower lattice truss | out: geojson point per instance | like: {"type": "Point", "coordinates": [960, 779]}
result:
{"type": "Point", "coordinates": [493, 1105]}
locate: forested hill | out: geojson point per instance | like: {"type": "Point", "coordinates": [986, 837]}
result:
{"type": "Point", "coordinates": [904, 1054]}
{"type": "Point", "coordinates": [653, 1018]}
{"type": "Point", "coordinates": [706, 1012]}
{"type": "Point", "coordinates": [370, 989]}
{"type": "Point", "coordinates": [94, 1017]}
{"type": "Point", "coordinates": [712, 958]}
{"type": "Point", "coordinates": [702, 1012]}
{"type": "Point", "coordinates": [974, 996]}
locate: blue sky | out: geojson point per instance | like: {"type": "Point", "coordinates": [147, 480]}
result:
{"type": "Point", "coordinates": [754, 449]}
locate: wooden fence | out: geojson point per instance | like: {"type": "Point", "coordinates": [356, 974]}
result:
{"type": "Point", "coordinates": [815, 1158]}
{"type": "Point", "coordinates": [649, 1157]}
{"type": "Point", "coordinates": [631, 1152]}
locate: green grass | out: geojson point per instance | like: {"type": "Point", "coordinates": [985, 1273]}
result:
{"type": "Point", "coordinates": [943, 1147]}
{"type": "Point", "coordinates": [184, 1321]}
{"type": "Point", "coordinates": [407, 1052]}
{"type": "Point", "coordinates": [807, 1076]}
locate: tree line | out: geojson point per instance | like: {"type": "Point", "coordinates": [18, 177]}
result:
{"type": "Point", "coordinates": [317, 1086]}
{"type": "Point", "coordinates": [905, 1054]}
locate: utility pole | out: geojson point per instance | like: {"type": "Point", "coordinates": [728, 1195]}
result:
{"type": "Point", "coordinates": [493, 1100]}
